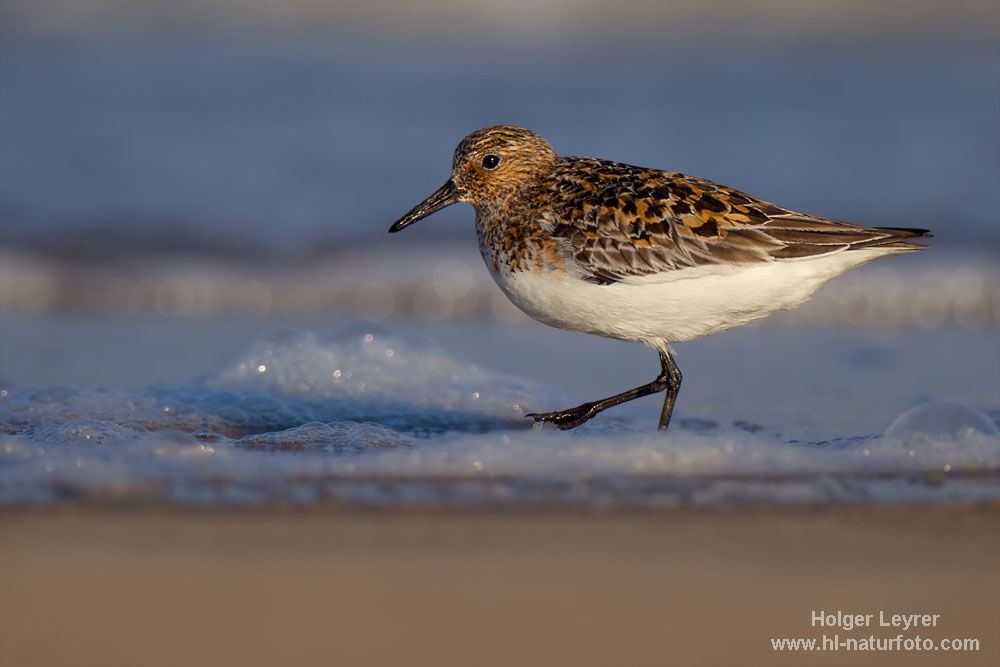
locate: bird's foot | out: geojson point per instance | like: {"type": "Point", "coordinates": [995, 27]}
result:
{"type": "Point", "coordinates": [566, 419]}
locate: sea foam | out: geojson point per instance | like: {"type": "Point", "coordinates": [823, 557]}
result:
{"type": "Point", "coordinates": [372, 416]}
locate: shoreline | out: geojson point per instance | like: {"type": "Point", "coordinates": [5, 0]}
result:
{"type": "Point", "coordinates": [335, 585]}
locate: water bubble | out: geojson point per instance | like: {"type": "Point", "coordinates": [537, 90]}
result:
{"type": "Point", "coordinates": [943, 419]}
{"type": "Point", "coordinates": [335, 437]}
{"type": "Point", "coordinates": [88, 431]}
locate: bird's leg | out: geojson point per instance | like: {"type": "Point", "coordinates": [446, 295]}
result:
{"type": "Point", "coordinates": [669, 379]}
{"type": "Point", "coordinates": [673, 376]}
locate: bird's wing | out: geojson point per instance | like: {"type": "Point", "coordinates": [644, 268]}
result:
{"type": "Point", "coordinates": [618, 221]}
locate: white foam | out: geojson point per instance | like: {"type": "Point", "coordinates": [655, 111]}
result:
{"type": "Point", "coordinates": [372, 416]}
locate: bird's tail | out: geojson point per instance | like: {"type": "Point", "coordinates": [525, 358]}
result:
{"type": "Point", "coordinates": [898, 239]}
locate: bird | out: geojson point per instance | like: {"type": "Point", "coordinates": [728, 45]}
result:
{"type": "Point", "coordinates": [639, 254]}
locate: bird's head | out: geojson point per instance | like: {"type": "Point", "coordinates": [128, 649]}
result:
{"type": "Point", "coordinates": [489, 166]}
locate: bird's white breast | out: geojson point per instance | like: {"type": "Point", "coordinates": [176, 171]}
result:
{"type": "Point", "coordinates": [674, 306]}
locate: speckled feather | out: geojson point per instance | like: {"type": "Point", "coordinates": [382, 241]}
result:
{"type": "Point", "coordinates": [610, 221]}
{"type": "Point", "coordinates": [620, 221]}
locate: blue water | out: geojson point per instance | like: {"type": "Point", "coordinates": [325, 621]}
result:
{"type": "Point", "coordinates": [131, 134]}
{"type": "Point", "coordinates": [176, 191]}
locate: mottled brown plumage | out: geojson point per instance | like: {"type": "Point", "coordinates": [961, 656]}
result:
{"type": "Point", "coordinates": [613, 221]}
{"type": "Point", "coordinates": [645, 221]}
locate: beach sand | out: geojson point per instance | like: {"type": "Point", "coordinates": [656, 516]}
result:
{"type": "Point", "coordinates": [340, 586]}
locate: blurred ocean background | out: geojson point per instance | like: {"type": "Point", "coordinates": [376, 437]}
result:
{"type": "Point", "coordinates": [179, 180]}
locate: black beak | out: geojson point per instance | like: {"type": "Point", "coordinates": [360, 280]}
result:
{"type": "Point", "coordinates": [446, 195]}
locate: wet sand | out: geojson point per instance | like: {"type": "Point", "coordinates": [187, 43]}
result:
{"type": "Point", "coordinates": [336, 586]}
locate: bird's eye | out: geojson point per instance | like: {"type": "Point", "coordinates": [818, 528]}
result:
{"type": "Point", "coordinates": [491, 161]}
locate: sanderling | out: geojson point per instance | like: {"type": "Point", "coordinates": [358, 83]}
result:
{"type": "Point", "coordinates": [639, 254]}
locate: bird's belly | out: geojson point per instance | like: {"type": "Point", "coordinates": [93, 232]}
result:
{"type": "Point", "coordinates": [676, 306]}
